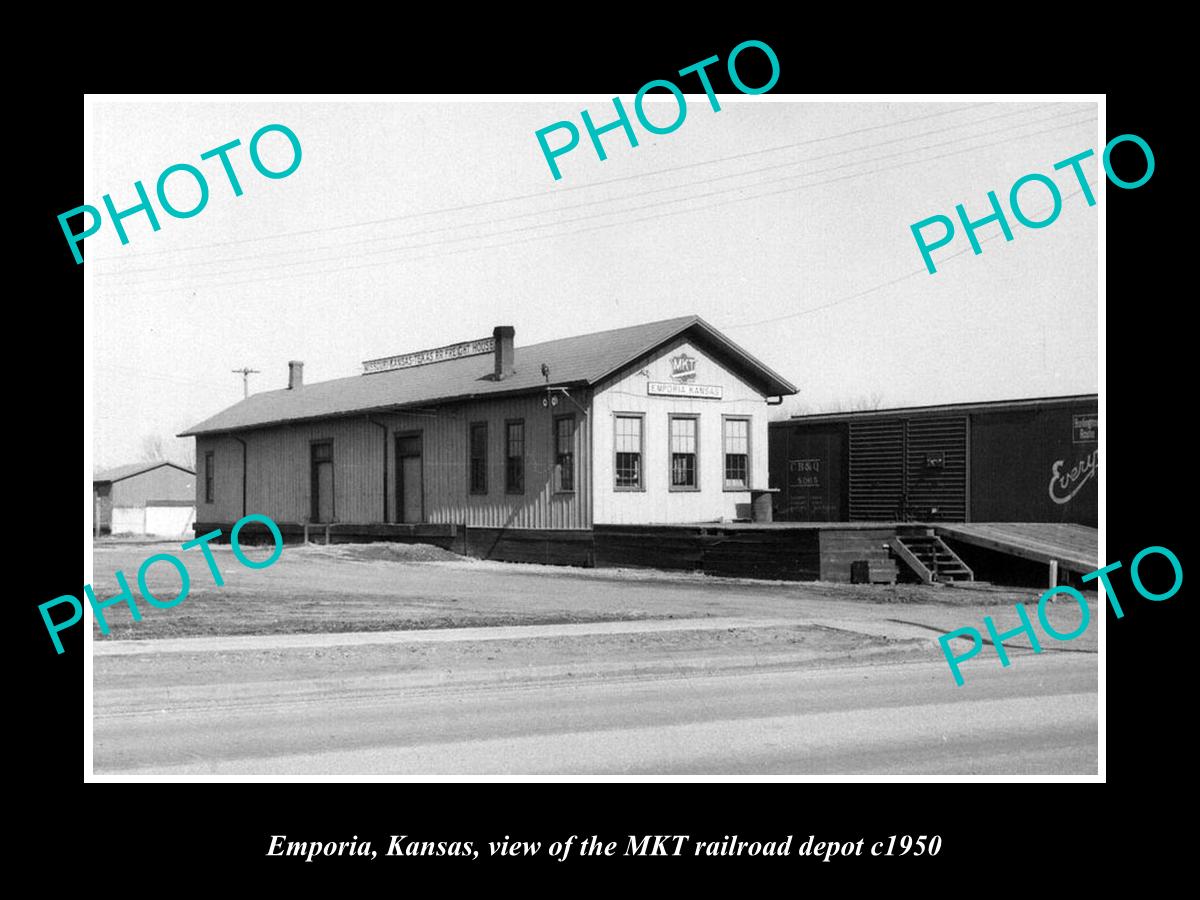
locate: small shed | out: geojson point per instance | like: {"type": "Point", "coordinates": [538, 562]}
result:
{"type": "Point", "coordinates": [151, 498]}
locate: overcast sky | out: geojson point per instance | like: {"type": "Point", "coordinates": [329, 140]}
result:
{"type": "Point", "coordinates": [802, 253]}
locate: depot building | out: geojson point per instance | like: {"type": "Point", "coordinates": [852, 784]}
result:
{"type": "Point", "coordinates": [502, 451]}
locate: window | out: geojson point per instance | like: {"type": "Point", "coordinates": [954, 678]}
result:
{"type": "Point", "coordinates": [514, 457]}
{"type": "Point", "coordinates": [737, 454]}
{"type": "Point", "coordinates": [564, 453]}
{"type": "Point", "coordinates": [683, 453]}
{"type": "Point", "coordinates": [629, 453]}
{"type": "Point", "coordinates": [208, 477]}
{"type": "Point", "coordinates": [478, 464]}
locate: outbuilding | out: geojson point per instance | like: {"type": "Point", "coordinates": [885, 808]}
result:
{"type": "Point", "coordinates": [498, 450]}
{"type": "Point", "coordinates": [151, 498]}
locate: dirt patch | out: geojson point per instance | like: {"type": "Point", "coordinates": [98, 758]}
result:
{"type": "Point", "coordinates": [945, 595]}
{"type": "Point", "coordinates": [387, 552]}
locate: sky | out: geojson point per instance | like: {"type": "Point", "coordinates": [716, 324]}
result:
{"type": "Point", "coordinates": [410, 225]}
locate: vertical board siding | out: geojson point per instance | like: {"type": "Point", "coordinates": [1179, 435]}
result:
{"type": "Point", "coordinates": [657, 504]}
{"type": "Point", "coordinates": [227, 482]}
{"type": "Point", "coordinates": [445, 455]}
{"type": "Point", "coordinates": [279, 482]}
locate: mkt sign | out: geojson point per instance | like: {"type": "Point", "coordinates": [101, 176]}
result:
{"type": "Point", "coordinates": [683, 367]}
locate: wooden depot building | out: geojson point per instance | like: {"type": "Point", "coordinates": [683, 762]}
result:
{"type": "Point", "coordinates": [502, 451]}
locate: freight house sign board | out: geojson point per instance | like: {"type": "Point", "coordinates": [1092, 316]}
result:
{"type": "Point", "coordinates": [423, 357]}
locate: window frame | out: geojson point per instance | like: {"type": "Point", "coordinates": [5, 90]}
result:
{"type": "Point", "coordinates": [671, 486]}
{"type": "Point", "coordinates": [749, 420]}
{"type": "Point", "coordinates": [508, 487]}
{"type": "Point", "coordinates": [210, 465]}
{"type": "Point", "coordinates": [471, 488]}
{"type": "Point", "coordinates": [558, 486]}
{"type": "Point", "coordinates": [641, 417]}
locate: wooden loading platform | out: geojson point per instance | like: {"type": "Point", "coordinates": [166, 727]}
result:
{"type": "Point", "coordinates": [849, 552]}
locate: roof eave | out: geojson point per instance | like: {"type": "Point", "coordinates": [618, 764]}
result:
{"type": "Point", "coordinates": [944, 409]}
{"type": "Point", "coordinates": [780, 386]}
{"type": "Point", "coordinates": [149, 468]}
{"type": "Point", "coordinates": [379, 410]}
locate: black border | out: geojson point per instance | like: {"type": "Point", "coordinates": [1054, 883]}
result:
{"type": "Point", "coordinates": [989, 830]}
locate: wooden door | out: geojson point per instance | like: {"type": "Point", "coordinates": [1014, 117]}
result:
{"type": "Point", "coordinates": [410, 488]}
{"type": "Point", "coordinates": [322, 482]}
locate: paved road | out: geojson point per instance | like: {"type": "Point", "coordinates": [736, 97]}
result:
{"type": "Point", "coordinates": [1039, 716]}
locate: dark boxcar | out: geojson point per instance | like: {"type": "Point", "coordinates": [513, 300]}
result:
{"type": "Point", "coordinates": [1010, 461]}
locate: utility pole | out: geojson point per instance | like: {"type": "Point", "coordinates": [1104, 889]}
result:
{"type": "Point", "coordinates": [245, 373]}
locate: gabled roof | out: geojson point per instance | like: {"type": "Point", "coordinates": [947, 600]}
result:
{"type": "Point", "coordinates": [119, 473]}
{"type": "Point", "coordinates": [586, 359]}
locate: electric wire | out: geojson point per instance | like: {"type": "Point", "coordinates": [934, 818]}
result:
{"type": "Point", "coordinates": [561, 209]}
{"type": "Point", "coordinates": [200, 285]}
{"type": "Point", "coordinates": [557, 191]}
{"type": "Point", "coordinates": [879, 287]}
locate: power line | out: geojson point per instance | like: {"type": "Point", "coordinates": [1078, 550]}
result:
{"type": "Point", "coordinates": [688, 199]}
{"type": "Point", "coordinates": [612, 224]}
{"type": "Point", "coordinates": [878, 287]}
{"type": "Point", "coordinates": [141, 373]}
{"type": "Point", "coordinates": [674, 187]}
{"type": "Point", "coordinates": [543, 194]}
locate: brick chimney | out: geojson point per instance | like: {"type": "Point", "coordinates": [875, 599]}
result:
{"type": "Point", "coordinates": [295, 374]}
{"type": "Point", "coordinates": [504, 351]}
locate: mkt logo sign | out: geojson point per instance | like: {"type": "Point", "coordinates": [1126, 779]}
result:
{"type": "Point", "coordinates": [683, 367]}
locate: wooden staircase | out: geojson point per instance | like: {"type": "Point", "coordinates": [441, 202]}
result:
{"type": "Point", "coordinates": [927, 555]}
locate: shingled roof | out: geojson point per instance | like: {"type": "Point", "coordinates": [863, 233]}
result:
{"type": "Point", "coordinates": [585, 359]}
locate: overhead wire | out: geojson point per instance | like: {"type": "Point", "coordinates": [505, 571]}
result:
{"type": "Point", "coordinates": [142, 373]}
{"type": "Point", "coordinates": [728, 327]}
{"type": "Point", "coordinates": [639, 194]}
{"type": "Point", "coordinates": [655, 204]}
{"type": "Point", "coordinates": [878, 287]}
{"type": "Point", "coordinates": [543, 194]}
{"type": "Point", "coordinates": [199, 285]}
